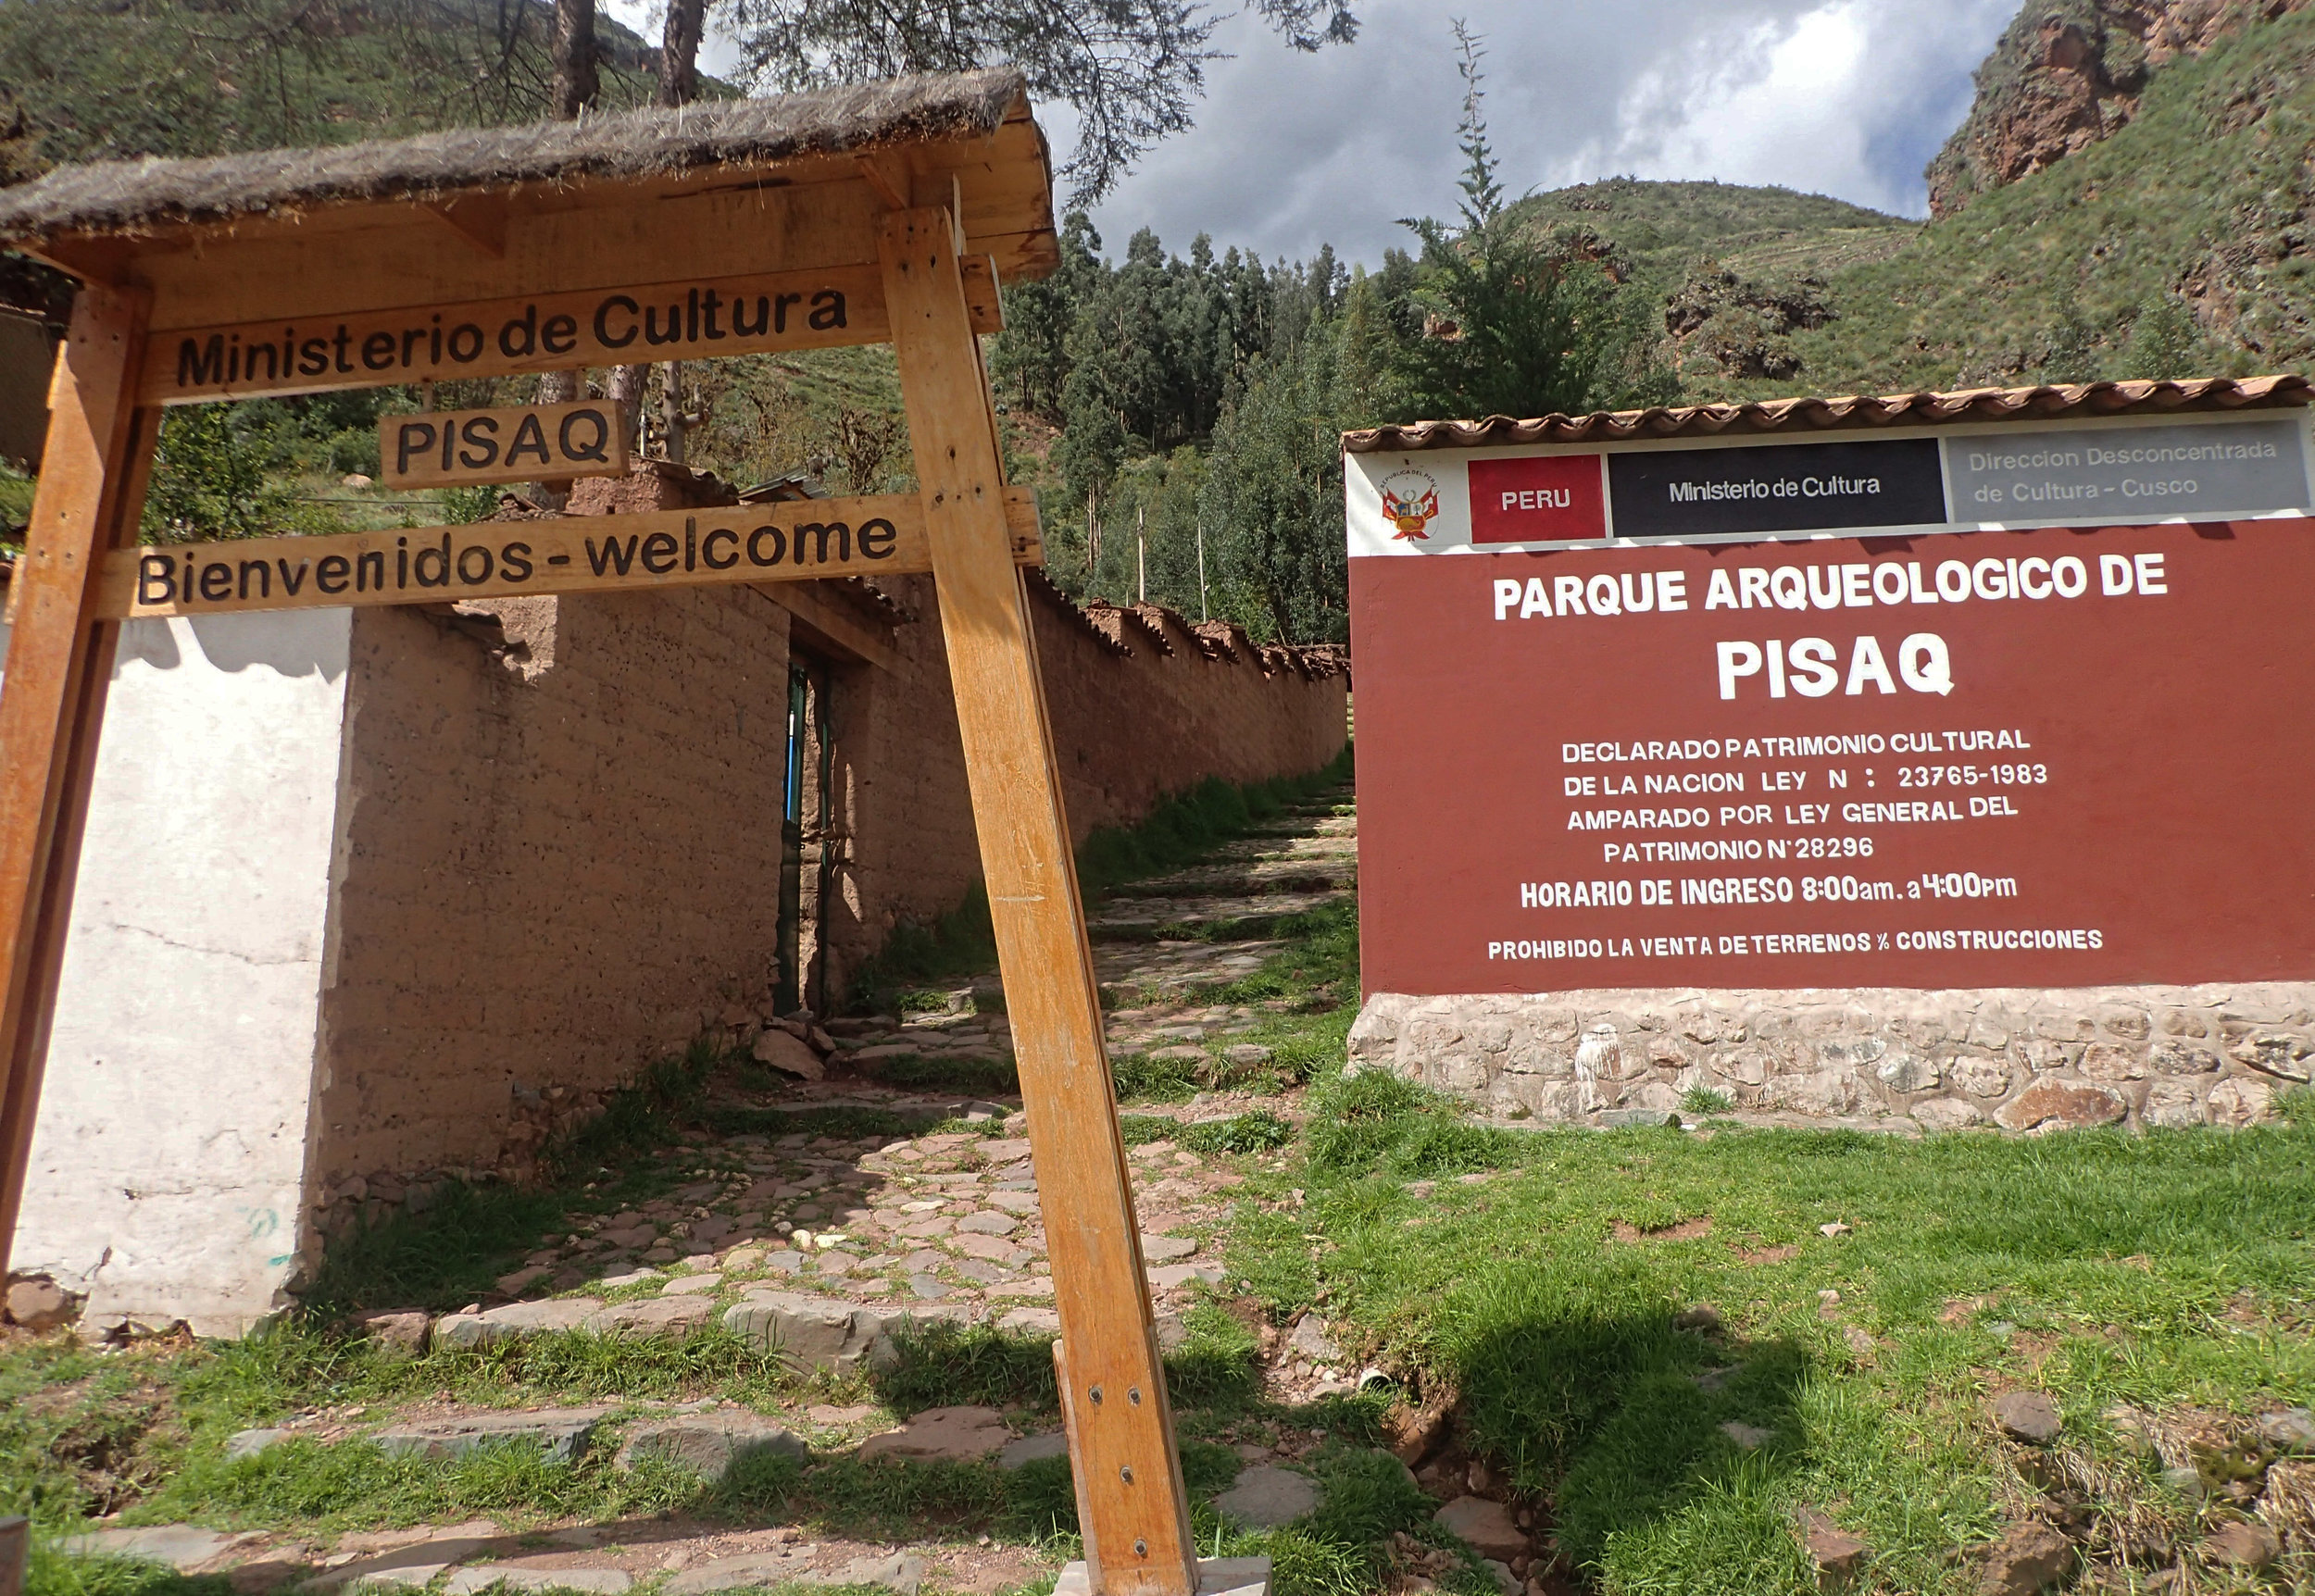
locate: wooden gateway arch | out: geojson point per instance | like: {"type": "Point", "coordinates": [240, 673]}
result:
{"type": "Point", "coordinates": [887, 213]}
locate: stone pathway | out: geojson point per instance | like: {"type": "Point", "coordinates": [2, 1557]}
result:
{"type": "Point", "coordinates": [936, 1226]}
{"type": "Point", "coordinates": [824, 1246]}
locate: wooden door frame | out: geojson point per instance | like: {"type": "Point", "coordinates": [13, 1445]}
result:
{"type": "Point", "coordinates": [1132, 1506]}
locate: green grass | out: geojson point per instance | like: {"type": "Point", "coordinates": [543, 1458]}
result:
{"type": "Point", "coordinates": [472, 1233]}
{"type": "Point", "coordinates": [2208, 184]}
{"type": "Point", "coordinates": [2167, 1270]}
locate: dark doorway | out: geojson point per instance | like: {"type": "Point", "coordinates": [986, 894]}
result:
{"type": "Point", "coordinates": [808, 851]}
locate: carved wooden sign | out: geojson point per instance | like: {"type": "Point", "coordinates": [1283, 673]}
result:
{"type": "Point", "coordinates": [800, 541]}
{"type": "Point", "coordinates": [694, 321]}
{"type": "Point", "coordinates": [516, 444]}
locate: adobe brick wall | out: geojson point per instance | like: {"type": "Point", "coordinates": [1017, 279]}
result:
{"type": "Point", "coordinates": [1198, 700]}
{"type": "Point", "coordinates": [557, 852]}
{"type": "Point", "coordinates": [546, 868]}
{"type": "Point", "coordinates": [558, 849]}
{"type": "Point", "coordinates": [1141, 705]}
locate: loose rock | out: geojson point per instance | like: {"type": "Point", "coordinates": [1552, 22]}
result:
{"type": "Point", "coordinates": [562, 1434]}
{"type": "Point", "coordinates": [1034, 1448]}
{"type": "Point", "coordinates": [1264, 1497]}
{"type": "Point", "coordinates": [2289, 1429]}
{"type": "Point", "coordinates": [1838, 1556]}
{"type": "Point", "coordinates": [593, 1581]}
{"type": "Point", "coordinates": [734, 1573]}
{"type": "Point", "coordinates": [943, 1432]}
{"type": "Point", "coordinates": [1487, 1526]}
{"type": "Point", "coordinates": [2243, 1544]}
{"type": "Point", "coordinates": [709, 1444]}
{"type": "Point", "coordinates": [2022, 1562]}
{"type": "Point", "coordinates": [789, 1054]}
{"type": "Point", "coordinates": [1311, 1341]}
{"type": "Point", "coordinates": [515, 1321]}
{"type": "Point", "coordinates": [399, 1332]}
{"type": "Point", "coordinates": [181, 1546]}
{"type": "Point", "coordinates": [2028, 1416]}
{"type": "Point", "coordinates": [37, 1302]}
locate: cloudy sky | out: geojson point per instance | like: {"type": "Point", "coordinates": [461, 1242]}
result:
{"type": "Point", "coordinates": [1846, 98]}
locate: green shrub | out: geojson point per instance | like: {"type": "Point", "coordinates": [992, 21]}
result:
{"type": "Point", "coordinates": [1257, 1132]}
{"type": "Point", "coordinates": [1704, 1100]}
{"type": "Point", "coordinates": [1374, 1122]}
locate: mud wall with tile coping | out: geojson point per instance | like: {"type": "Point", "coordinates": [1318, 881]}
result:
{"type": "Point", "coordinates": [1143, 704]}
{"type": "Point", "coordinates": [559, 843]}
{"type": "Point", "coordinates": [2019, 1059]}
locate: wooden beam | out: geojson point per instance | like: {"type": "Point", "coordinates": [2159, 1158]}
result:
{"type": "Point", "coordinates": [52, 701]}
{"type": "Point", "coordinates": [830, 628]}
{"type": "Point", "coordinates": [16, 1545]}
{"type": "Point", "coordinates": [695, 318]}
{"type": "Point", "coordinates": [1133, 1510]}
{"type": "Point", "coordinates": [803, 539]}
{"type": "Point", "coordinates": [345, 260]}
{"type": "Point", "coordinates": [479, 220]}
{"type": "Point", "coordinates": [886, 190]}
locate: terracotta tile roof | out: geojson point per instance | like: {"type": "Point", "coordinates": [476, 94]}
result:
{"type": "Point", "coordinates": [1855, 412]}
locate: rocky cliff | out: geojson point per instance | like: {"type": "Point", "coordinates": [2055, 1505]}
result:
{"type": "Point", "coordinates": [2067, 73]}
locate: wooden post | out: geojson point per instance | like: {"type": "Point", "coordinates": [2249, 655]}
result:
{"type": "Point", "coordinates": [1132, 1506]}
{"type": "Point", "coordinates": [16, 1553]}
{"type": "Point", "coordinates": [60, 661]}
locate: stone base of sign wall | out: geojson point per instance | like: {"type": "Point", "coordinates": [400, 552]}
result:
{"type": "Point", "coordinates": [2016, 1059]}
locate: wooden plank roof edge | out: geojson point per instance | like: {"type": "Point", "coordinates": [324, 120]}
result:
{"type": "Point", "coordinates": [101, 199]}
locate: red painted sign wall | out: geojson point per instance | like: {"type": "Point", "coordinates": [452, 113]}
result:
{"type": "Point", "coordinates": [2066, 757]}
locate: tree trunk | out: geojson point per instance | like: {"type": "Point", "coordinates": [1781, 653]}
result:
{"type": "Point", "coordinates": [627, 391]}
{"type": "Point", "coordinates": [554, 388]}
{"type": "Point", "coordinates": [575, 80]}
{"type": "Point", "coordinates": [671, 417]}
{"type": "Point", "coordinates": [679, 51]}
{"type": "Point", "coordinates": [573, 91]}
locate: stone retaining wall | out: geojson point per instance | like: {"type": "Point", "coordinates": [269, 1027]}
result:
{"type": "Point", "coordinates": [2020, 1058]}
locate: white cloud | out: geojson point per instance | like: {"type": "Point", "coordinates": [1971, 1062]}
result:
{"type": "Point", "coordinates": [1849, 97]}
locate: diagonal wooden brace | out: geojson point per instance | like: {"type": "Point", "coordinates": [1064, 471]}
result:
{"type": "Point", "coordinates": [1130, 1502]}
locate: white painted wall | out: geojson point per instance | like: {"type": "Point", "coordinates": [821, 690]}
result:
{"type": "Point", "coordinates": [170, 1154]}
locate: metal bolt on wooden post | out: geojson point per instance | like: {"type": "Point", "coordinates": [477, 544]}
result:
{"type": "Point", "coordinates": [1132, 1506]}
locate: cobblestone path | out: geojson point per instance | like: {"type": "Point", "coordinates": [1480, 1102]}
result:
{"type": "Point", "coordinates": [829, 1245]}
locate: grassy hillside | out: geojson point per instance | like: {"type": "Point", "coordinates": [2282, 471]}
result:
{"type": "Point", "coordinates": [2201, 202]}
{"type": "Point", "coordinates": [2179, 246]}
{"type": "Point", "coordinates": [85, 79]}
{"type": "Point", "coordinates": [1661, 227]}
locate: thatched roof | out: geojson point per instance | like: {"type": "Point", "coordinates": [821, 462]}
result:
{"type": "Point", "coordinates": [138, 197]}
